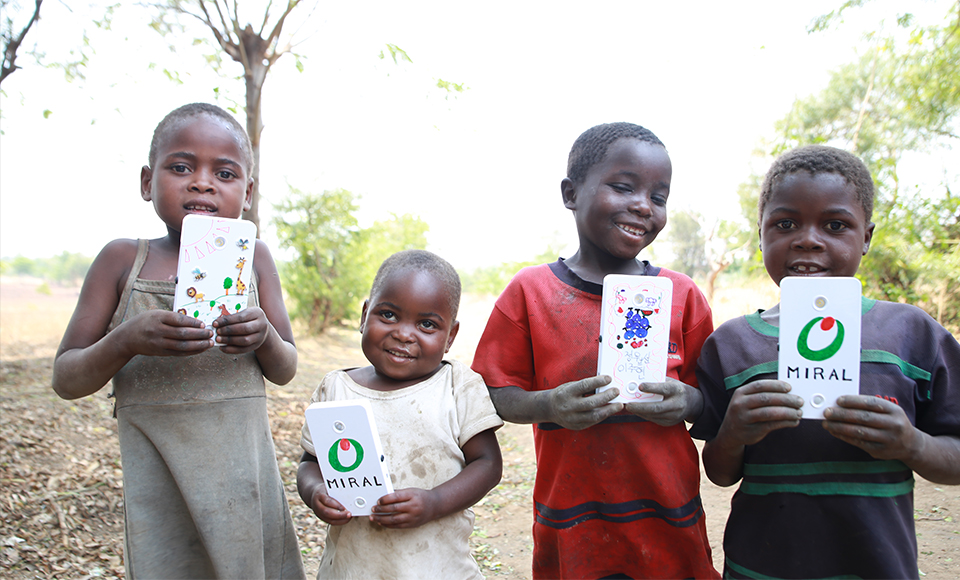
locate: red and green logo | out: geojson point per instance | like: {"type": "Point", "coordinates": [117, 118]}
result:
{"type": "Point", "coordinates": [344, 444]}
{"type": "Point", "coordinates": [826, 352]}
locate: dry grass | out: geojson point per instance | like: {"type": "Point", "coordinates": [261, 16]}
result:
{"type": "Point", "coordinates": [61, 504]}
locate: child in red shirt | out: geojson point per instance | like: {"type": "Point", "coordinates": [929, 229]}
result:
{"type": "Point", "coordinates": [617, 488]}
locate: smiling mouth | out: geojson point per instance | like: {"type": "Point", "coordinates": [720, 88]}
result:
{"type": "Point", "coordinates": [199, 209]}
{"type": "Point", "coordinates": [806, 269]}
{"type": "Point", "coordinates": [631, 230]}
{"type": "Point", "coordinates": [400, 354]}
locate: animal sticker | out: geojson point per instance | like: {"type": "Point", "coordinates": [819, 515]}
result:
{"type": "Point", "coordinates": [215, 267]}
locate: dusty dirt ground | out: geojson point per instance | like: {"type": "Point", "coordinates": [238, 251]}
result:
{"type": "Point", "coordinates": [61, 502]}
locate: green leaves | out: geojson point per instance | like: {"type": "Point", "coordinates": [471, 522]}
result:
{"type": "Point", "coordinates": [396, 53]}
{"type": "Point", "coordinates": [335, 260]}
{"type": "Point", "coordinates": [902, 96]}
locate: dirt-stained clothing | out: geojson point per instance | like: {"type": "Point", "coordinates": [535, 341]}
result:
{"type": "Point", "coordinates": [803, 490]}
{"type": "Point", "coordinates": [202, 491]}
{"type": "Point", "coordinates": [422, 428]}
{"type": "Point", "coordinates": [623, 496]}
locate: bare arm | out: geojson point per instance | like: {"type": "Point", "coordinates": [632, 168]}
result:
{"type": "Point", "coordinates": [88, 357]}
{"type": "Point", "coordinates": [755, 410]}
{"type": "Point", "coordinates": [313, 492]}
{"type": "Point", "coordinates": [881, 428]}
{"type": "Point", "coordinates": [265, 330]}
{"type": "Point", "coordinates": [412, 507]}
{"type": "Point", "coordinates": [937, 459]}
{"type": "Point", "coordinates": [574, 405]}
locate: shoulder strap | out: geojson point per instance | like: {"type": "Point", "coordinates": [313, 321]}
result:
{"type": "Point", "coordinates": [143, 248]}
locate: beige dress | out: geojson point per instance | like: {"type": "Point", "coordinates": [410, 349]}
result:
{"type": "Point", "coordinates": [422, 428]}
{"type": "Point", "coordinates": [202, 491]}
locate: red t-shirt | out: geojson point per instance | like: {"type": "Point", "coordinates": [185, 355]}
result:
{"type": "Point", "coordinates": [622, 496]}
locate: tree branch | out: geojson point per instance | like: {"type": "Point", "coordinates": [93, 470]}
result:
{"type": "Point", "coordinates": [275, 33]}
{"type": "Point", "coordinates": [226, 43]}
{"type": "Point", "coordinates": [10, 51]}
{"type": "Point", "coordinates": [223, 20]}
{"type": "Point", "coordinates": [266, 17]}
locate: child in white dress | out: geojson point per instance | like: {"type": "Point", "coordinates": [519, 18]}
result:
{"type": "Point", "coordinates": [437, 425]}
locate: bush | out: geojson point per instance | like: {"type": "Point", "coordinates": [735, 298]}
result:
{"type": "Point", "coordinates": [336, 260]}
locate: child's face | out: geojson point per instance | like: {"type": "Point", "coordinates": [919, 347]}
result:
{"type": "Point", "coordinates": [813, 225]}
{"type": "Point", "coordinates": [199, 169]}
{"type": "Point", "coordinates": [621, 205]}
{"type": "Point", "coordinates": [407, 326]}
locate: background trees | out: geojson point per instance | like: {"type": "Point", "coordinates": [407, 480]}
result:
{"type": "Point", "coordinates": [256, 49]}
{"type": "Point", "coordinates": [335, 260]}
{"type": "Point", "coordinates": [898, 105]}
{"type": "Point", "coordinates": [13, 34]}
{"type": "Point", "coordinates": [893, 104]}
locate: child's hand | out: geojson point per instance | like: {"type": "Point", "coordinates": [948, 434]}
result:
{"type": "Point", "coordinates": [242, 332]}
{"type": "Point", "coordinates": [576, 405]}
{"type": "Point", "coordinates": [877, 426]}
{"type": "Point", "coordinates": [329, 509]}
{"type": "Point", "coordinates": [314, 494]}
{"type": "Point", "coordinates": [754, 411]}
{"type": "Point", "coordinates": [405, 508]}
{"type": "Point", "coordinates": [165, 333]}
{"type": "Point", "coordinates": [680, 402]}
{"type": "Point", "coordinates": [758, 408]}
{"type": "Point", "coordinates": [882, 429]}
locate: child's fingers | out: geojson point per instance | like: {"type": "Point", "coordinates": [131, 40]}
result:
{"type": "Point", "coordinates": [391, 520]}
{"type": "Point", "coordinates": [237, 328]}
{"type": "Point", "coordinates": [766, 386]}
{"type": "Point", "coordinates": [186, 347]}
{"type": "Point", "coordinates": [246, 315]}
{"type": "Point", "coordinates": [176, 319]}
{"type": "Point", "coordinates": [330, 503]}
{"type": "Point", "coordinates": [585, 386]}
{"type": "Point", "coordinates": [330, 510]}
{"type": "Point", "coordinates": [164, 333]}
{"type": "Point", "coordinates": [598, 399]}
{"type": "Point", "coordinates": [391, 502]}
{"type": "Point", "coordinates": [666, 389]}
{"type": "Point", "coordinates": [888, 440]}
{"type": "Point", "coordinates": [387, 500]}
{"type": "Point", "coordinates": [335, 518]}
{"type": "Point", "coordinates": [660, 412]}
{"type": "Point", "coordinates": [406, 514]}
{"type": "Point", "coordinates": [768, 393]}
{"type": "Point", "coordinates": [241, 332]}
{"type": "Point", "coordinates": [239, 336]}
{"type": "Point", "coordinates": [576, 405]}
{"type": "Point", "coordinates": [852, 433]}
{"type": "Point", "coordinates": [862, 411]}
{"type": "Point", "coordinates": [866, 403]}
{"type": "Point", "coordinates": [868, 422]}
{"type": "Point", "coordinates": [581, 395]}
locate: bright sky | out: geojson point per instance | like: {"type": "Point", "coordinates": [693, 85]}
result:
{"type": "Point", "coordinates": [483, 169]}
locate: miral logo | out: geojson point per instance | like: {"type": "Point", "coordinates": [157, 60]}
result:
{"type": "Point", "coordinates": [826, 325]}
{"type": "Point", "coordinates": [345, 445]}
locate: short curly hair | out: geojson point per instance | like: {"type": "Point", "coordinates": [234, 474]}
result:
{"type": "Point", "coordinates": [819, 159]}
{"type": "Point", "coordinates": [591, 146]}
{"type": "Point", "coordinates": [191, 110]}
{"type": "Point", "coordinates": [423, 261]}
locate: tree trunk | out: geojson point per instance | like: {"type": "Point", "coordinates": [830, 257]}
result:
{"type": "Point", "coordinates": [715, 270]}
{"type": "Point", "coordinates": [254, 77]}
